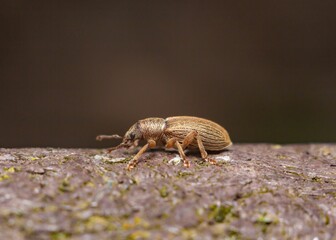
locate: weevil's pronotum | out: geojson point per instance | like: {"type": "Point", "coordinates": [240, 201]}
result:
{"type": "Point", "coordinates": [174, 132]}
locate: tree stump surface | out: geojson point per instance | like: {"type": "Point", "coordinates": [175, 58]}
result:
{"type": "Point", "coordinates": [255, 191]}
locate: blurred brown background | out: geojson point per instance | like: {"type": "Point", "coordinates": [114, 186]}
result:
{"type": "Point", "coordinates": [69, 70]}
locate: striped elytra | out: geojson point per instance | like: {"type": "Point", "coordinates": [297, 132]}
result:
{"type": "Point", "coordinates": [214, 137]}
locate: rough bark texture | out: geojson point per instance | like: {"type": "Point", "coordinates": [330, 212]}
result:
{"type": "Point", "coordinates": [287, 192]}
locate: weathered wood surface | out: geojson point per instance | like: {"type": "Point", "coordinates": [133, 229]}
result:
{"type": "Point", "coordinates": [257, 190]}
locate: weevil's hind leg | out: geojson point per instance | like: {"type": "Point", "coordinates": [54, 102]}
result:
{"type": "Point", "coordinates": [172, 142]}
{"type": "Point", "coordinates": [190, 138]}
{"type": "Point", "coordinates": [135, 159]}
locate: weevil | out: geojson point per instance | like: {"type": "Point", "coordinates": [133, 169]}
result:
{"type": "Point", "coordinates": [178, 132]}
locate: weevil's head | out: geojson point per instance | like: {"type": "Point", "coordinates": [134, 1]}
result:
{"type": "Point", "coordinates": [131, 138]}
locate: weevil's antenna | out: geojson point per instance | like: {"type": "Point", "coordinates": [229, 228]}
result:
{"type": "Point", "coordinates": [102, 137]}
{"type": "Point", "coordinates": [114, 136]}
{"type": "Point", "coordinates": [126, 143]}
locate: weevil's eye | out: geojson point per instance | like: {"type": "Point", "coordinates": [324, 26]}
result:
{"type": "Point", "coordinates": [132, 135]}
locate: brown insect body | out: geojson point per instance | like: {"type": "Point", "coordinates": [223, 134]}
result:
{"type": "Point", "coordinates": [178, 132]}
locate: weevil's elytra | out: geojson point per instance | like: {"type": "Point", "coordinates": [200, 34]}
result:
{"type": "Point", "coordinates": [214, 136]}
{"type": "Point", "coordinates": [174, 132]}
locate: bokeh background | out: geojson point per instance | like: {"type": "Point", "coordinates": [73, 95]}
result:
{"type": "Point", "coordinates": [69, 70]}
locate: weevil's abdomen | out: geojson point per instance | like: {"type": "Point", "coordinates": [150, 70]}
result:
{"type": "Point", "coordinates": [214, 137]}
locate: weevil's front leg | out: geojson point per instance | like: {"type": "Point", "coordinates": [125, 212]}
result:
{"type": "Point", "coordinates": [135, 159]}
{"type": "Point", "coordinates": [172, 142]}
{"type": "Point", "coordinates": [190, 138]}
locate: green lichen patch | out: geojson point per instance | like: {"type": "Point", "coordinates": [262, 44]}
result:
{"type": "Point", "coordinates": [317, 179]}
{"type": "Point", "coordinates": [4, 177]}
{"type": "Point", "coordinates": [67, 158]}
{"type": "Point", "coordinates": [282, 157]}
{"type": "Point", "coordinates": [233, 234]}
{"type": "Point", "coordinates": [264, 220]}
{"type": "Point", "coordinates": [65, 186]}
{"type": "Point", "coordinates": [8, 172]}
{"type": "Point", "coordinates": [184, 174]}
{"type": "Point", "coordinates": [164, 192]}
{"type": "Point", "coordinates": [139, 234]}
{"type": "Point", "coordinates": [11, 169]}
{"type": "Point", "coordinates": [98, 223]}
{"type": "Point", "coordinates": [218, 213]}
{"type": "Point", "coordinates": [135, 223]}
{"type": "Point", "coordinates": [60, 236]}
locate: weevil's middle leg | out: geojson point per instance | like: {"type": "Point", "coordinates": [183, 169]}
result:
{"type": "Point", "coordinates": [172, 142]}
{"type": "Point", "coordinates": [190, 138]}
{"type": "Point", "coordinates": [135, 159]}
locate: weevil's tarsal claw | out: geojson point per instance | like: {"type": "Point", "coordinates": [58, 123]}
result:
{"type": "Point", "coordinates": [186, 163]}
{"type": "Point", "coordinates": [211, 161]}
{"type": "Point", "coordinates": [130, 167]}
{"type": "Point", "coordinates": [102, 137]}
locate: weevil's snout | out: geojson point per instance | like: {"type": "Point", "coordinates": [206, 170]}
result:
{"type": "Point", "coordinates": [124, 144]}
{"type": "Point", "coordinates": [129, 143]}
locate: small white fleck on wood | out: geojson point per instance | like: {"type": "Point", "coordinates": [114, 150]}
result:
{"type": "Point", "coordinates": [107, 159]}
{"type": "Point", "coordinates": [223, 159]}
{"type": "Point", "coordinates": [175, 161]}
{"type": "Point", "coordinates": [7, 157]}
